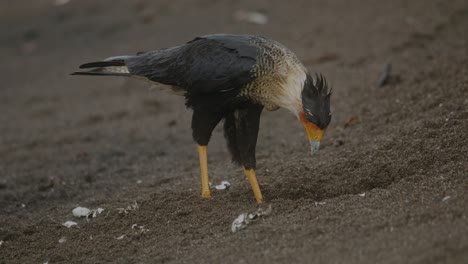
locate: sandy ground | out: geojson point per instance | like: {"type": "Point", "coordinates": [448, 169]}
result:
{"type": "Point", "coordinates": [390, 187]}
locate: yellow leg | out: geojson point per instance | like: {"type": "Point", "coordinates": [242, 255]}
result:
{"type": "Point", "coordinates": [203, 155]}
{"type": "Point", "coordinates": [250, 173]}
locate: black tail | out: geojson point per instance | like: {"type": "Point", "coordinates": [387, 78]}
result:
{"type": "Point", "coordinates": [99, 73]}
{"type": "Point", "coordinates": [114, 66]}
{"type": "Point", "coordinates": [102, 64]}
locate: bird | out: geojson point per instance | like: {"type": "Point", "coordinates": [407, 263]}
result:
{"type": "Point", "coordinates": [230, 78]}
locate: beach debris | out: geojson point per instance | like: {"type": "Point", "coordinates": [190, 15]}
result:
{"type": "Point", "coordinates": [85, 212]}
{"type": "Point", "coordinates": [245, 219]}
{"type": "Point", "coordinates": [120, 237]}
{"type": "Point", "coordinates": [69, 224]}
{"type": "Point", "coordinates": [319, 203]}
{"type": "Point", "coordinates": [140, 227]}
{"type": "Point", "coordinates": [1, 242]}
{"type": "Point", "coordinates": [224, 185]}
{"type": "Point", "coordinates": [446, 198]}
{"type": "Point", "coordinates": [97, 211]}
{"type": "Point", "coordinates": [60, 2]}
{"type": "Point", "coordinates": [362, 194]}
{"type": "Point", "coordinates": [81, 212]}
{"type": "Point", "coordinates": [62, 240]}
{"type": "Point", "coordinates": [351, 120]}
{"type": "Point", "coordinates": [129, 208]}
{"type": "Point", "coordinates": [338, 142]}
{"type": "Point", "coordinates": [385, 75]}
{"type": "Point", "coordinates": [253, 17]}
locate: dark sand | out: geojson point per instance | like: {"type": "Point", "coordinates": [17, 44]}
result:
{"type": "Point", "coordinates": [67, 141]}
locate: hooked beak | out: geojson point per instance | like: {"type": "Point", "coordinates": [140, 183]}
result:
{"type": "Point", "coordinates": [314, 133]}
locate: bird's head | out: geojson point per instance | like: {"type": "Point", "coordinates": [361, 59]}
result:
{"type": "Point", "coordinates": [314, 112]}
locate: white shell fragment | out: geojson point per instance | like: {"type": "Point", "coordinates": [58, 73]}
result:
{"type": "Point", "coordinates": [141, 228]}
{"type": "Point", "coordinates": [128, 209]}
{"type": "Point", "coordinates": [446, 198]}
{"type": "Point", "coordinates": [81, 212]}
{"type": "Point", "coordinates": [319, 203]}
{"type": "Point", "coordinates": [251, 17]}
{"type": "Point", "coordinates": [96, 212]}
{"type": "Point", "coordinates": [69, 224]}
{"type": "Point", "coordinates": [1, 242]}
{"type": "Point", "coordinates": [85, 212]}
{"type": "Point", "coordinates": [225, 185]}
{"type": "Point", "coordinates": [362, 194]}
{"type": "Point", "coordinates": [62, 240]}
{"type": "Point", "coordinates": [239, 223]}
{"type": "Point", "coordinates": [120, 237]}
{"type": "Point", "coordinates": [244, 219]}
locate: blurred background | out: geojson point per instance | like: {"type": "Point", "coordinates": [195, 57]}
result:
{"type": "Point", "coordinates": [389, 185]}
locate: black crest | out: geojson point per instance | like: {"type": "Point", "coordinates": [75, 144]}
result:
{"type": "Point", "coordinates": [316, 100]}
{"type": "Point", "coordinates": [320, 86]}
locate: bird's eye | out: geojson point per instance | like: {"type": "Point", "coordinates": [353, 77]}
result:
{"type": "Point", "coordinates": [308, 112]}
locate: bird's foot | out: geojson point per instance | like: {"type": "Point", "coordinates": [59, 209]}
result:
{"type": "Point", "coordinates": [206, 194]}
{"type": "Point", "coordinates": [252, 178]}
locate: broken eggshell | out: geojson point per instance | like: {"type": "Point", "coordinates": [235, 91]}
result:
{"type": "Point", "coordinates": [223, 186]}
{"type": "Point", "coordinates": [244, 219]}
{"type": "Point", "coordinates": [240, 222]}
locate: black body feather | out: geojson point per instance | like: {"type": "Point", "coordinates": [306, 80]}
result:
{"type": "Point", "coordinates": [211, 70]}
{"type": "Point", "coordinates": [91, 73]}
{"type": "Point", "coordinates": [241, 131]}
{"type": "Point", "coordinates": [205, 65]}
{"type": "Point", "coordinates": [103, 64]}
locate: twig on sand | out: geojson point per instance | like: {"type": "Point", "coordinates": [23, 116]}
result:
{"type": "Point", "coordinates": [386, 75]}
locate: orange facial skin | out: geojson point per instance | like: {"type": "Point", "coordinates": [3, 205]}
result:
{"type": "Point", "coordinates": [313, 131]}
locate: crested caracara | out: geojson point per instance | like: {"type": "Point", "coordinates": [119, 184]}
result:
{"type": "Point", "coordinates": [231, 77]}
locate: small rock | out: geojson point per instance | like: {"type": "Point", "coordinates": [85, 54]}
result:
{"type": "Point", "coordinates": [69, 224]}
{"type": "Point", "coordinates": [362, 194]}
{"type": "Point", "coordinates": [62, 240]}
{"type": "Point", "coordinates": [120, 237]}
{"type": "Point", "coordinates": [446, 198]}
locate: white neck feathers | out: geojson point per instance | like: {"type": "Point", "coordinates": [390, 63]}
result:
{"type": "Point", "coordinates": [291, 95]}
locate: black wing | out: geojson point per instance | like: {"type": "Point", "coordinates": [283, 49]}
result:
{"type": "Point", "coordinates": [205, 65]}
